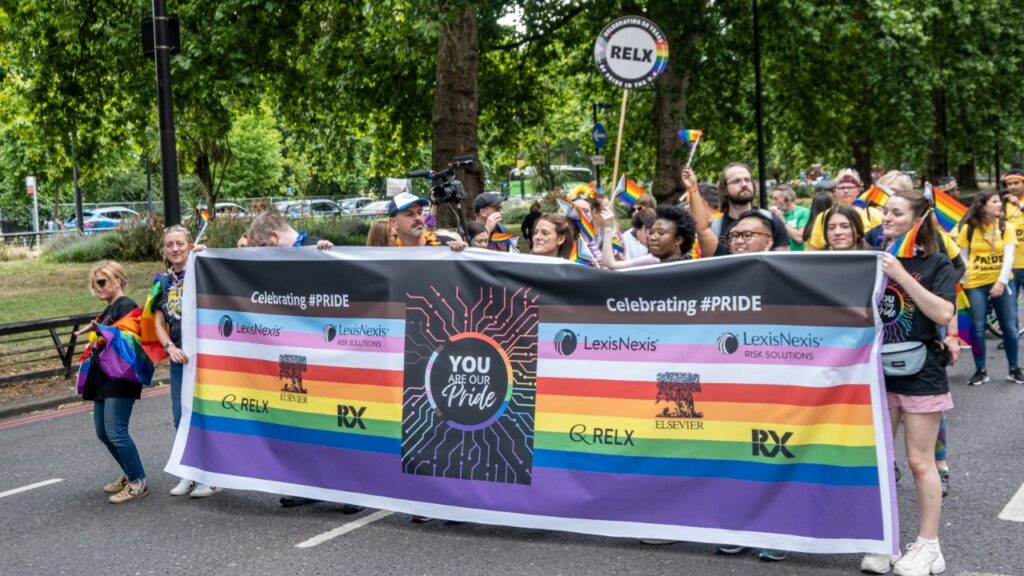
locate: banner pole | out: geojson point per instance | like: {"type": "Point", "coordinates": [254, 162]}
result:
{"type": "Point", "coordinates": [618, 144]}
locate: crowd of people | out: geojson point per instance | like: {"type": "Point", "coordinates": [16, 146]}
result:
{"type": "Point", "coordinates": [983, 254]}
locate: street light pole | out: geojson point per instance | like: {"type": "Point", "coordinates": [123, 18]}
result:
{"type": "Point", "coordinates": [759, 105]}
{"type": "Point", "coordinates": [168, 149]}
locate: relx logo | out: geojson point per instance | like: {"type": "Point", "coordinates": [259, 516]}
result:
{"type": "Point", "coordinates": [351, 416]}
{"type": "Point", "coordinates": [760, 440]}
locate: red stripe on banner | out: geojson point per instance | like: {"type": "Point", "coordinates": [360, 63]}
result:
{"type": "Point", "coordinates": [390, 378]}
{"type": "Point", "coordinates": [711, 392]}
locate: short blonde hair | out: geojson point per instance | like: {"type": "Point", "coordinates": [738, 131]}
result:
{"type": "Point", "coordinates": [264, 225]}
{"type": "Point", "coordinates": [109, 269]}
{"type": "Point", "coordinates": [176, 229]}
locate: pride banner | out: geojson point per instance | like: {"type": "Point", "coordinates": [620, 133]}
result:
{"type": "Point", "coordinates": [732, 400]}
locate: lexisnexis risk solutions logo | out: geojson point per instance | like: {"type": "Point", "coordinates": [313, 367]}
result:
{"type": "Point", "coordinates": [360, 335]}
{"type": "Point", "coordinates": [227, 326]}
{"type": "Point", "coordinates": [770, 345]}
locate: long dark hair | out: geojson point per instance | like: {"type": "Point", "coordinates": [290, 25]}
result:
{"type": "Point", "coordinates": [903, 187]}
{"type": "Point", "coordinates": [562, 228]}
{"type": "Point", "coordinates": [856, 224]}
{"type": "Point", "coordinates": [974, 218]}
{"type": "Point", "coordinates": [822, 201]}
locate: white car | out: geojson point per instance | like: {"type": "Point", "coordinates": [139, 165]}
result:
{"type": "Point", "coordinates": [378, 208]}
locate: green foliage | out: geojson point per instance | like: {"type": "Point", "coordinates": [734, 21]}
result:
{"type": "Point", "coordinates": [84, 249]}
{"type": "Point", "coordinates": [139, 241]}
{"type": "Point", "coordinates": [257, 166]}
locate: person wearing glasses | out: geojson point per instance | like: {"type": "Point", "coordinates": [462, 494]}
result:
{"type": "Point", "coordinates": [670, 237]}
{"type": "Point", "coordinates": [848, 187]}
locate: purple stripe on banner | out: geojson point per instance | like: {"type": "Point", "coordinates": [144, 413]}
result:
{"type": "Point", "coordinates": [797, 509]}
{"type": "Point", "coordinates": [708, 354]}
{"type": "Point", "coordinates": [307, 340]}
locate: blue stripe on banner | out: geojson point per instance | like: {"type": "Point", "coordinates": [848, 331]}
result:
{"type": "Point", "coordinates": [696, 468]}
{"type": "Point", "coordinates": [774, 335]}
{"type": "Point", "coordinates": [314, 325]}
{"type": "Point", "coordinates": [339, 439]}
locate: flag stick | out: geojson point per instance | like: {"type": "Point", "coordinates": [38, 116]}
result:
{"type": "Point", "coordinates": [618, 140]}
{"type": "Point", "coordinates": [693, 150]}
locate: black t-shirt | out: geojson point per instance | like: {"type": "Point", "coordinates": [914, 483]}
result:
{"type": "Point", "coordinates": [170, 301]}
{"type": "Point", "coordinates": [97, 385]}
{"type": "Point", "coordinates": [902, 322]}
{"type": "Point", "coordinates": [780, 239]}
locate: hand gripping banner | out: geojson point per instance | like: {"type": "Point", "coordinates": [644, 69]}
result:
{"type": "Point", "coordinates": [732, 400]}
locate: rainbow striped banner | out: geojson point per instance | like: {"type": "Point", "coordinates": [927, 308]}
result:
{"type": "Point", "coordinates": [723, 403]}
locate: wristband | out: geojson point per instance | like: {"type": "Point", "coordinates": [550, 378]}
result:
{"type": "Point", "coordinates": [167, 346]}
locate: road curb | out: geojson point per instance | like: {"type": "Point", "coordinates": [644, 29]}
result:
{"type": "Point", "coordinates": [22, 407]}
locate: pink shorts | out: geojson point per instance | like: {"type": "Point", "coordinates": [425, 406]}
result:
{"type": "Point", "coordinates": [920, 404]}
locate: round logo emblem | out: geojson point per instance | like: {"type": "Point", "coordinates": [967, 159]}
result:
{"type": "Point", "coordinates": [727, 343]}
{"type": "Point", "coordinates": [469, 381]}
{"type": "Point", "coordinates": [226, 326]}
{"type": "Point", "coordinates": [330, 332]}
{"type": "Point", "coordinates": [565, 342]}
{"type": "Point", "coordinates": [631, 52]}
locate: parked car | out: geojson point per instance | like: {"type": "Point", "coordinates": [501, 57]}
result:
{"type": "Point", "coordinates": [226, 209]}
{"type": "Point", "coordinates": [102, 218]}
{"type": "Point", "coordinates": [353, 205]}
{"type": "Point", "coordinates": [378, 208]}
{"type": "Point", "coordinates": [309, 208]}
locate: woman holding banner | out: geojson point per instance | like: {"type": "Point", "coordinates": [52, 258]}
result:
{"type": "Point", "coordinates": [844, 229]}
{"type": "Point", "coordinates": [669, 239]}
{"type": "Point", "coordinates": [918, 299]}
{"type": "Point", "coordinates": [553, 236]}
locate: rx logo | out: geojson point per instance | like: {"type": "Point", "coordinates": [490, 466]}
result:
{"type": "Point", "coordinates": [759, 443]}
{"type": "Point", "coordinates": [351, 416]}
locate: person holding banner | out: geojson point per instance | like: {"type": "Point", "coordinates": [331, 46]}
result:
{"type": "Point", "coordinates": [405, 213]}
{"type": "Point", "coordinates": [988, 244]}
{"type": "Point", "coordinates": [669, 239]}
{"type": "Point", "coordinates": [919, 298]}
{"type": "Point", "coordinates": [272, 229]}
{"type": "Point", "coordinates": [553, 235]}
{"type": "Point", "coordinates": [844, 229]}
{"type": "Point", "coordinates": [478, 235]}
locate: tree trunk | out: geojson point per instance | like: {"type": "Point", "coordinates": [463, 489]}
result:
{"type": "Point", "coordinates": [860, 149]}
{"type": "Point", "coordinates": [937, 166]}
{"type": "Point", "coordinates": [670, 95]}
{"type": "Point", "coordinates": [455, 105]}
{"type": "Point", "coordinates": [204, 174]}
{"type": "Point", "coordinates": [966, 175]}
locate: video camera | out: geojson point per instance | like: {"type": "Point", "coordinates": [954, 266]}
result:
{"type": "Point", "coordinates": [445, 188]}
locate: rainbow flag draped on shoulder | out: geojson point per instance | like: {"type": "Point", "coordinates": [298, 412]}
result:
{"type": "Point", "coordinates": [121, 355]}
{"type": "Point", "coordinates": [707, 401]}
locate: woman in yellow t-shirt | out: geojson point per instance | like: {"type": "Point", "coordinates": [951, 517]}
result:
{"type": "Point", "coordinates": [988, 244]}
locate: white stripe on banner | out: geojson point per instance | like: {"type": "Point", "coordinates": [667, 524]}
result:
{"type": "Point", "coordinates": [732, 373]}
{"type": "Point", "coordinates": [316, 357]}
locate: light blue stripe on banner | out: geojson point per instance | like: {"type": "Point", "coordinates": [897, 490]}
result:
{"type": "Point", "coordinates": [746, 334]}
{"type": "Point", "coordinates": [338, 439]}
{"type": "Point", "coordinates": [697, 468]}
{"type": "Point", "coordinates": [314, 325]}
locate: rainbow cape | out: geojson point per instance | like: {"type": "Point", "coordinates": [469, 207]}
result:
{"type": "Point", "coordinates": [965, 327]}
{"type": "Point", "coordinates": [948, 211]}
{"type": "Point", "coordinates": [122, 357]}
{"type": "Point", "coordinates": [878, 195]}
{"type": "Point", "coordinates": [147, 328]}
{"type": "Point", "coordinates": [904, 246]}
{"type": "Point", "coordinates": [628, 191]}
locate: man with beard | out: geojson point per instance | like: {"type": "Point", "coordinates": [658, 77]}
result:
{"type": "Point", "coordinates": [405, 214]}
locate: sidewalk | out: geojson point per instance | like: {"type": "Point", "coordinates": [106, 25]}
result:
{"type": "Point", "coordinates": [62, 400]}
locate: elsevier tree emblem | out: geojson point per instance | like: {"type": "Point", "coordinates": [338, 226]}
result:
{"type": "Point", "coordinates": [678, 388]}
{"type": "Point", "coordinates": [291, 368]}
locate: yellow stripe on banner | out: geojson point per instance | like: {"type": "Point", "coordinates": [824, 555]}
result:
{"type": "Point", "coordinates": [313, 404]}
{"type": "Point", "coordinates": [320, 388]}
{"type": "Point", "coordinates": [849, 414]}
{"type": "Point", "coordinates": [701, 429]}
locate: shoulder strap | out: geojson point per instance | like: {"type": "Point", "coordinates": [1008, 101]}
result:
{"type": "Point", "coordinates": [716, 226]}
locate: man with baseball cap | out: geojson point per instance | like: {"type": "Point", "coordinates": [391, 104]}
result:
{"type": "Point", "coordinates": [405, 213]}
{"type": "Point", "coordinates": [487, 208]}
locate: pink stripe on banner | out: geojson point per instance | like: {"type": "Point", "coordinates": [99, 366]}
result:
{"type": "Point", "coordinates": [394, 344]}
{"type": "Point", "coordinates": [708, 354]}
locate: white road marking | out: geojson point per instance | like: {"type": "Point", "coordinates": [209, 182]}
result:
{"type": "Point", "coordinates": [30, 487]}
{"type": "Point", "coordinates": [1014, 510]}
{"type": "Point", "coordinates": [344, 529]}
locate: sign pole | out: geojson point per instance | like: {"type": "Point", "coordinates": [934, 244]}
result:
{"type": "Point", "coordinates": [618, 142]}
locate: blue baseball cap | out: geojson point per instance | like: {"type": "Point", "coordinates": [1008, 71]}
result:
{"type": "Point", "coordinates": [403, 201]}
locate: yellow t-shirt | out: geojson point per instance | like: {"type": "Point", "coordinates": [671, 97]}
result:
{"type": "Point", "coordinates": [1015, 216]}
{"type": "Point", "coordinates": [869, 218]}
{"type": "Point", "coordinates": [949, 244]}
{"type": "Point", "coordinates": [986, 257]}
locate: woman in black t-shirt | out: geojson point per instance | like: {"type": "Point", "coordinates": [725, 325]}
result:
{"type": "Point", "coordinates": [114, 399]}
{"type": "Point", "coordinates": [919, 297]}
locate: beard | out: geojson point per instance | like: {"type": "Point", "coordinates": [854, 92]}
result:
{"type": "Point", "coordinates": [742, 197]}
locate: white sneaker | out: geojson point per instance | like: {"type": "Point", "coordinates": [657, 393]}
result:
{"type": "Point", "coordinates": [202, 491]}
{"type": "Point", "coordinates": [920, 560]}
{"type": "Point", "coordinates": [877, 563]}
{"type": "Point", "coordinates": [184, 487]}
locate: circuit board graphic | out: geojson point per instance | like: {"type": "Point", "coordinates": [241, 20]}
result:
{"type": "Point", "coordinates": [470, 384]}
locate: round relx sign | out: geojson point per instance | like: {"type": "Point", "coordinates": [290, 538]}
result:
{"type": "Point", "coordinates": [631, 52]}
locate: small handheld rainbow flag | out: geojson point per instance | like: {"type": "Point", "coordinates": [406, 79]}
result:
{"type": "Point", "coordinates": [504, 238]}
{"type": "Point", "coordinates": [964, 324]}
{"type": "Point", "coordinates": [581, 253]}
{"type": "Point", "coordinates": [204, 220]}
{"type": "Point", "coordinates": [586, 225]}
{"type": "Point", "coordinates": [628, 191]}
{"type": "Point", "coordinates": [617, 244]}
{"type": "Point", "coordinates": [692, 139]}
{"type": "Point", "coordinates": [876, 194]}
{"type": "Point", "coordinates": [567, 207]}
{"type": "Point", "coordinates": [948, 211]}
{"type": "Point", "coordinates": [904, 246]}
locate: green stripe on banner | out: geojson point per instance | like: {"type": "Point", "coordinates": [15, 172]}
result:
{"type": "Point", "coordinates": [827, 454]}
{"type": "Point", "coordinates": [310, 421]}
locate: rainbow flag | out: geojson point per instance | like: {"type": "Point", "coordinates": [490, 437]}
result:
{"type": "Point", "coordinates": [567, 208]}
{"type": "Point", "coordinates": [878, 195]}
{"type": "Point", "coordinates": [965, 327]}
{"type": "Point", "coordinates": [147, 328]}
{"type": "Point", "coordinates": [948, 211]}
{"type": "Point", "coordinates": [628, 191]}
{"type": "Point", "coordinates": [504, 238]}
{"type": "Point", "coordinates": [617, 244]}
{"type": "Point", "coordinates": [690, 136]}
{"type": "Point", "coordinates": [586, 225]}
{"type": "Point", "coordinates": [905, 245]}
{"type": "Point", "coordinates": [122, 356]}
{"type": "Point", "coordinates": [582, 254]}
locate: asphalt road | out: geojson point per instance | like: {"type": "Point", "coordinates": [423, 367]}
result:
{"type": "Point", "coordinates": [67, 527]}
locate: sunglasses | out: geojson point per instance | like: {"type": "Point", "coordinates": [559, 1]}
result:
{"type": "Point", "coordinates": [100, 282]}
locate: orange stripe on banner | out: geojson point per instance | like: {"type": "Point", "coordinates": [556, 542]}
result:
{"type": "Point", "coordinates": [786, 414]}
{"type": "Point", "coordinates": [710, 392]}
{"type": "Point", "coordinates": [392, 378]}
{"type": "Point", "coordinates": [315, 388]}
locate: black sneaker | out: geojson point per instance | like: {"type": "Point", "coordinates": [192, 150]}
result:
{"type": "Point", "coordinates": [294, 501]}
{"type": "Point", "coordinates": [1016, 375]}
{"type": "Point", "coordinates": [979, 378]}
{"type": "Point", "coordinates": [944, 478]}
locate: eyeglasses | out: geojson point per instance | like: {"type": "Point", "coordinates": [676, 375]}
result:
{"type": "Point", "coordinates": [736, 181]}
{"type": "Point", "coordinates": [746, 235]}
{"type": "Point", "coordinates": [100, 282]}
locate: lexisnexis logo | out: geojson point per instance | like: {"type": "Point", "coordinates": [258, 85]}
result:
{"type": "Point", "coordinates": [566, 342]}
{"type": "Point", "coordinates": [368, 330]}
{"type": "Point", "coordinates": [227, 327]}
{"type": "Point", "coordinates": [729, 343]}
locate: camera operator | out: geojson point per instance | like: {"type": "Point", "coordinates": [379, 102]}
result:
{"type": "Point", "coordinates": [488, 210]}
{"type": "Point", "coordinates": [405, 214]}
